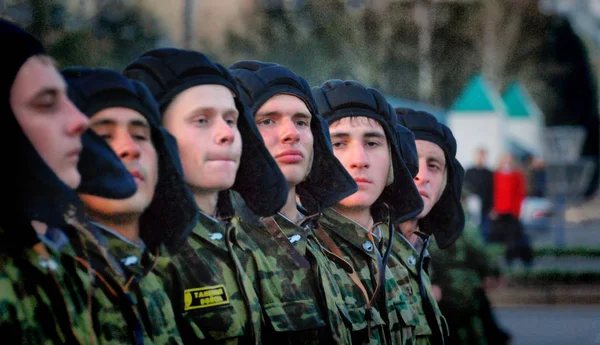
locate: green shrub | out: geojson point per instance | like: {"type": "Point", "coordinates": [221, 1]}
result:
{"type": "Point", "coordinates": [591, 252]}
{"type": "Point", "coordinates": [546, 276]}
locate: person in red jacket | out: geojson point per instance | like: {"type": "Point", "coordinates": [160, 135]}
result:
{"type": "Point", "coordinates": [509, 188]}
{"type": "Point", "coordinates": [509, 192]}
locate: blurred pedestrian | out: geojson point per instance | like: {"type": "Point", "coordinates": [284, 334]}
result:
{"type": "Point", "coordinates": [536, 178]}
{"type": "Point", "coordinates": [480, 180]}
{"type": "Point", "coordinates": [509, 193]}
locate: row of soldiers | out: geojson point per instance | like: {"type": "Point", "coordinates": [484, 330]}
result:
{"type": "Point", "coordinates": [183, 202]}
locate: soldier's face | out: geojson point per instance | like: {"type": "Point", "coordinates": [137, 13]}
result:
{"type": "Point", "coordinates": [284, 123]}
{"type": "Point", "coordinates": [128, 134]}
{"type": "Point", "coordinates": [50, 121]}
{"type": "Point", "coordinates": [431, 179]}
{"type": "Point", "coordinates": [203, 119]}
{"type": "Point", "coordinates": [360, 144]}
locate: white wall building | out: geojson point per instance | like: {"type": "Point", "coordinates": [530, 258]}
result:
{"type": "Point", "coordinates": [525, 120]}
{"type": "Point", "coordinates": [478, 118]}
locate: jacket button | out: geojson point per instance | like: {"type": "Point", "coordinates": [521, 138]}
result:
{"type": "Point", "coordinates": [412, 260]}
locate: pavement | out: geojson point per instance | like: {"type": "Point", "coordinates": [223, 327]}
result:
{"type": "Point", "coordinates": [585, 234]}
{"type": "Point", "coordinates": [555, 325]}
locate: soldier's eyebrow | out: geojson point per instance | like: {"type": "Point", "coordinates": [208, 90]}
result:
{"type": "Point", "coordinates": [268, 114]}
{"type": "Point", "coordinates": [303, 115]}
{"type": "Point", "coordinates": [339, 135]}
{"type": "Point", "coordinates": [212, 110]}
{"type": "Point", "coordinates": [139, 123]}
{"type": "Point", "coordinates": [377, 135]}
{"type": "Point", "coordinates": [103, 123]}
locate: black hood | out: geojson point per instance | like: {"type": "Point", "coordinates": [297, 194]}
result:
{"type": "Point", "coordinates": [408, 149]}
{"type": "Point", "coordinates": [172, 213]}
{"type": "Point", "coordinates": [337, 99]}
{"type": "Point", "coordinates": [327, 182]}
{"type": "Point", "coordinates": [168, 72]}
{"type": "Point", "coordinates": [446, 219]}
{"type": "Point", "coordinates": [32, 189]}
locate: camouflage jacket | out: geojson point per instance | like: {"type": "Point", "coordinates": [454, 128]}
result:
{"type": "Point", "coordinates": [290, 296]}
{"type": "Point", "coordinates": [389, 316]}
{"type": "Point", "coordinates": [43, 295]}
{"type": "Point", "coordinates": [323, 268]}
{"type": "Point", "coordinates": [461, 268]}
{"type": "Point", "coordinates": [213, 295]}
{"type": "Point", "coordinates": [143, 287]}
{"type": "Point", "coordinates": [404, 254]}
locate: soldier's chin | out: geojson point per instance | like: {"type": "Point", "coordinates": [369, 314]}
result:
{"type": "Point", "coordinates": [219, 184]}
{"type": "Point", "coordinates": [358, 200]}
{"type": "Point", "coordinates": [294, 174]}
{"type": "Point", "coordinates": [426, 209]}
{"type": "Point", "coordinates": [70, 176]}
{"type": "Point", "coordinates": [221, 168]}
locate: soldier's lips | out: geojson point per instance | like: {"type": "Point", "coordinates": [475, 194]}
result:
{"type": "Point", "coordinates": [290, 156]}
{"type": "Point", "coordinates": [74, 154]}
{"type": "Point", "coordinates": [220, 157]}
{"type": "Point", "coordinates": [221, 163]}
{"type": "Point", "coordinates": [362, 181]}
{"type": "Point", "coordinates": [137, 175]}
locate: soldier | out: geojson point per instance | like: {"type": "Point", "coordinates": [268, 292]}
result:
{"type": "Point", "coordinates": [362, 128]}
{"type": "Point", "coordinates": [221, 271]}
{"type": "Point", "coordinates": [285, 114]}
{"type": "Point", "coordinates": [439, 181]}
{"type": "Point", "coordinates": [135, 231]}
{"type": "Point", "coordinates": [463, 272]}
{"type": "Point", "coordinates": [44, 293]}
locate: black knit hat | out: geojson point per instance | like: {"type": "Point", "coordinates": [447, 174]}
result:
{"type": "Point", "coordinates": [446, 219]}
{"type": "Point", "coordinates": [327, 182]}
{"type": "Point", "coordinates": [168, 72]}
{"type": "Point", "coordinates": [408, 149]}
{"type": "Point", "coordinates": [33, 190]}
{"type": "Point", "coordinates": [22, 46]}
{"type": "Point", "coordinates": [172, 213]}
{"type": "Point", "coordinates": [337, 99]}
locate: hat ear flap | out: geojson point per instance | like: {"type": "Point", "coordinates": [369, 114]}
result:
{"type": "Point", "coordinates": [447, 219]}
{"type": "Point", "coordinates": [449, 140]}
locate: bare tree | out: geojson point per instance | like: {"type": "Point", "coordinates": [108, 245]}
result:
{"type": "Point", "coordinates": [502, 22]}
{"type": "Point", "coordinates": [423, 16]}
{"type": "Point", "coordinates": [188, 15]}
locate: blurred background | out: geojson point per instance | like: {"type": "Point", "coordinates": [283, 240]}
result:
{"type": "Point", "coordinates": [514, 77]}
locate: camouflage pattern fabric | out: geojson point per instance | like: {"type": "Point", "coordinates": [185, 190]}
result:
{"type": "Point", "coordinates": [339, 328]}
{"type": "Point", "coordinates": [459, 271]}
{"type": "Point", "coordinates": [214, 297]}
{"type": "Point", "coordinates": [146, 290]}
{"type": "Point", "coordinates": [391, 320]}
{"type": "Point", "coordinates": [43, 297]}
{"type": "Point", "coordinates": [128, 306]}
{"type": "Point", "coordinates": [405, 255]}
{"type": "Point", "coordinates": [115, 316]}
{"type": "Point", "coordinates": [288, 290]}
